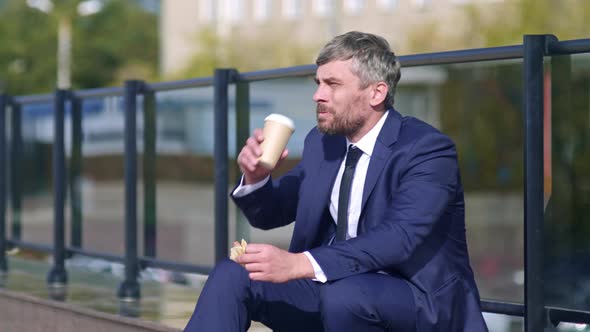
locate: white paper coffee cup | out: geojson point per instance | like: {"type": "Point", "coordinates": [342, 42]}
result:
{"type": "Point", "coordinates": [277, 131]}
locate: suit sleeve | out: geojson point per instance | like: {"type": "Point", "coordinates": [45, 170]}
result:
{"type": "Point", "coordinates": [275, 204]}
{"type": "Point", "coordinates": [428, 182]}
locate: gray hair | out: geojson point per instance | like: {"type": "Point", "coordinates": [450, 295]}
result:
{"type": "Point", "coordinates": [372, 59]}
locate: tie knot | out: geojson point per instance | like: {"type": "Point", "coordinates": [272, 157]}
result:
{"type": "Point", "coordinates": [353, 155]}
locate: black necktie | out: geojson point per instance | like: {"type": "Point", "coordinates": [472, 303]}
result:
{"type": "Point", "coordinates": [352, 157]}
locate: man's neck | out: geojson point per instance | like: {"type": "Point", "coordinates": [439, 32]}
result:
{"type": "Point", "coordinates": [369, 124]}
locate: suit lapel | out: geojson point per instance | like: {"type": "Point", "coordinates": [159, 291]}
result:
{"type": "Point", "coordinates": [325, 177]}
{"type": "Point", "coordinates": [381, 153]}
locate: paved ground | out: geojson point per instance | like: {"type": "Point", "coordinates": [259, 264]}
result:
{"type": "Point", "coordinates": [166, 303]}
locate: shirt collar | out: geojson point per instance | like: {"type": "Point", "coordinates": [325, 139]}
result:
{"type": "Point", "coordinates": [367, 142]}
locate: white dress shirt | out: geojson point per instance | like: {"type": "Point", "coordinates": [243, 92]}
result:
{"type": "Point", "coordinates": [366, 144]}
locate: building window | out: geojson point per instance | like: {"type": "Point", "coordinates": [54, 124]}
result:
{"type": "Point", "coordinates": [233, 10]}
{"type": "Point", "coordinates": [354, 7]}
{"type": "Point", "coordinates": [262, 10]}
{"type": "Point", "coordinates": [422, 4]}
{"type": "Point", "coordinates": [206, 11]}
{"type": "Point", "coordinates": [387, 5]}
{"type": "Point", "coordinates": [292, 8]}
{"type": "Point", "coordinates": [323, 8]}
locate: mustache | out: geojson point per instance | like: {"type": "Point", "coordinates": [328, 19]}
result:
{"type": "Point", "coordinates": [323, 108]}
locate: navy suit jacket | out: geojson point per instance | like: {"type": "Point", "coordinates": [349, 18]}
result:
{"type": "Point", "coordinates": [412, 221]}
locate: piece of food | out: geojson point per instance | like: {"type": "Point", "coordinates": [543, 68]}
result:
{"type": "Point", "coordinates": [237, 250]}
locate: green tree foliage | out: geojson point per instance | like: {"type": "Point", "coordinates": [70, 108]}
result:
{"type": "Point", "coordinates": [120, 41]}
{"type": "Point", "coordinates": [512, 19]}
{"type": "Point", "coordinates": [502, 23]}
{"type": "Point", "coordinates": [27, 51]}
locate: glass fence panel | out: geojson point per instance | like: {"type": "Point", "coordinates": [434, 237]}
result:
{"type": "Point", "coordinates": [291, 97]}
{"type": "Point", "coordinates": [34, 175]}
{"type": "Point", "coordinates": [567, 181]}
{"type": "Point", "coordinates": [102, 182]}
{"type": "Point", "coordinates": [479, 106]}
{"type": "Point", "coordinates": [185, 171]}
{"type": "Point", "coordinates": [504, 323]}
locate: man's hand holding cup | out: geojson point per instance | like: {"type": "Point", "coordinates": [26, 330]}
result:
{"type": "Point", "coordinates": [266, 148]}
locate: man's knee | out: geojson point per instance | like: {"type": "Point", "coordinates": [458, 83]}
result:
{"type": "Point", "coordinates": [228, 268]}
{"type": "Point", "coordinates": [368, 300]}
{"type": "Point", "coordinates": [343, 298]}
{"type": "Point", "coordinates": [229, 275]}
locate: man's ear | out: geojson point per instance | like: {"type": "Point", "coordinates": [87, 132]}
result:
{"type": "Point", "coordinates": [378, 93]}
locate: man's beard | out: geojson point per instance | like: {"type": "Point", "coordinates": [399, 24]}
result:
{"type": "Point", "coordinates": [344, 123]}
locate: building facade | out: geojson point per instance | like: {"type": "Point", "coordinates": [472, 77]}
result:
{"type": "Point", "coordinates": [311, 22]}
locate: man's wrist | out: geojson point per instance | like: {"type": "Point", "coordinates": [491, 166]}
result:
{"type": "Point", "coordinates": [248, 180]}
{"type": "Point", "coordinates": [302, 269]}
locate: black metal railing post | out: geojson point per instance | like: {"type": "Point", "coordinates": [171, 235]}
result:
{"type": "Point", "coordinates": [149, 174]}
{"type": "Point", "coordinates": [16, 155]}
{"type": "Point", "coordinates": [221, 84]}
{"type": "Point", "coordinates": [75, 171]}
{"type": "Point", "coordinates": [534, 50]}
{"type": "Point", "coordinates": [3, 246]}
{"type": "Point", "coordinates": [242, 134]}
{"type": "Point", "coordinates": [57, 277]}
{"type": "Point", "coordinates": [129, 290]}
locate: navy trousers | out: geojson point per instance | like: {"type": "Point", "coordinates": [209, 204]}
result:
{"type": "Point", "coordinates": [366, 302]}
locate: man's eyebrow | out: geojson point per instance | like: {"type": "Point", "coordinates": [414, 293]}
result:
{"type": "Point", "coordinates": [329, 79]}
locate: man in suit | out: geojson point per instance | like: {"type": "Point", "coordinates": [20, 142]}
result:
{"type": "Point", "coordinates": [379, 240]}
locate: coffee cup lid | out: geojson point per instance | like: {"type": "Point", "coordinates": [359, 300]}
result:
{"type": "Point", "coordinates": [281, 119]}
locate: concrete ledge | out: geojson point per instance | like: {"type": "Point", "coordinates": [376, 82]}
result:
{"type": "Point", "coordinates": [19, 312]}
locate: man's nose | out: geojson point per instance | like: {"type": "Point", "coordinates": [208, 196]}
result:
{"type": "Point", "coordinates": [319, 94]}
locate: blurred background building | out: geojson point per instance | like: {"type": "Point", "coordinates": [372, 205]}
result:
{"type": "Point", "coordinates": [185, 24]}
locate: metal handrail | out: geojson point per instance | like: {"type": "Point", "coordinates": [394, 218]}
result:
{"type": "Point", "coordinates": [554, 314]}
{"type": "Point", "coordinates": [504, 308]}
{"type": "Point", "coordinates": [99, 92]}
{"type": "Point", "coordinates": [569, 47]}
{"type": "Point", "coordinates": [269, 74]}
{"type": "Point", "coordinates": [455, 57]}
{"type": "Point", "coordinates": [33, 99]}
{"type": "Point", "coordinates": [182, 84]}
{"type": "Point", "coordinates": [423, 59]}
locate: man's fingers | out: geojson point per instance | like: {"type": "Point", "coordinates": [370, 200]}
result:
{"type": "Point", "coordinates": [254, 267]}
{"type": "Point", "coordinates": [254, 146]}
{"type": "Point", "coordinates": [247, 160]}
{"type": "Point", "coordinates": [262, 276]}
{"type": "Point", "coordinates": [282, 158]}
{"type": "Point", "coordinates": [258, 276]}
{"type": "Point", "coordinates": [252, 248]}
{"type": "Point", "coordinates": [249, 257]}
{"type": "Point", "coordinates": [284, 154]}
{"type": "Point", "coordinates": [258, 134]}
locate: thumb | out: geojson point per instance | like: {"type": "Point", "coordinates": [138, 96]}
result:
{"type": "Point", "coordinates": [283, 157]}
